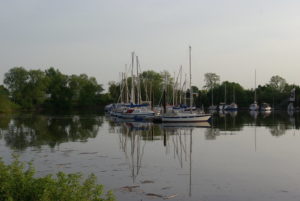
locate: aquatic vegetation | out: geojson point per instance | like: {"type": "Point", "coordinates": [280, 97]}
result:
{"type": "Point", "coordinates": [18, 183]}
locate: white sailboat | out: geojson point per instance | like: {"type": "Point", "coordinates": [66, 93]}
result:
{"type": "Point", "coordinates": [265, 107]}
{"type": "Point", "coordinates": [222, 106]}
{"type": "Point", "coordinates": [212, 107]}
{"type": "Point", "coordinates": [136, 110]}
{"type": "Point", "coordinates": [233, 106]}
{"type": "Point", "coordinates": [254, 106]}
{"type": "Point", "coordinates": [186, 116]}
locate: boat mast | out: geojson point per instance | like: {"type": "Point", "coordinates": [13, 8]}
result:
{"type": "Point", "coordinates": [174, 85]}
{"type": "Point", "coordinates": [255, 86]}
{"type": "Point", "coordinates": [225, 94]}
{"type": "Point", "coordinates": [212, 96]}
{"type": "Point", "coordinates": [137, 80]}
{"type": "Point", "coordinates": [126, 84]}
{"type": "Point", "coordinates": [185, 88]}
{"type": "Point", "coordinates": [233, 94]}
{"type": "Point", "coordinates": [191, 91]}
{"type": "Point", "coordinates": [132, 79]}
{"type": "Point", "coordinates": [122, 87]}
{"type": "Point", "coordinates": [180, 92]}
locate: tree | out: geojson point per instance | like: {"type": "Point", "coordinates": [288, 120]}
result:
{"type": "Point", "coordinates": [35, 88]}
{"type": "Point", "coordinates": [16, 80]}
{"type": "Point", "coordinates": [278, 83]}
{"type": "Point", "coordinates": [151, 86]}
{"type": "Point", "coordinates": [58, 90]}
{"type": "Point", "coordinates": [89, 90]}
{"type": "Point", "coordinates": [211, 80]}
{"type": "Point", "coordinates": [5, 104]}
{"type": "Point", "coordinates": [114, 90]}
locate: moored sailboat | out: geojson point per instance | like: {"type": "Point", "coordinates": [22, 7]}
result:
{"type": "Point", "coordinates": [183, 115]}
{"type": "Point", "coordinates": [254, 106]}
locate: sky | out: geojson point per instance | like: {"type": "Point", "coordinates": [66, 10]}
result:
{"type": "Point", "coordinates": [231, 38]}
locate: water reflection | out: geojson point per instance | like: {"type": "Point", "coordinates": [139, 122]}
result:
{"type": "Point", "coordinates": [176, 158]}
{"type": "Point", "coordinates": [176, 139]}
{"type": "Point", "coordinates": [22, 131]}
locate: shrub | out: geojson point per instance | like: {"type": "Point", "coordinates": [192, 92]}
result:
{"type": "Point", "coordinates": [17, 183]}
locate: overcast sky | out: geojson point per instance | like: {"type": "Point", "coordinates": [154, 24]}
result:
{"type": "Point", "coordinates": [231, 38]}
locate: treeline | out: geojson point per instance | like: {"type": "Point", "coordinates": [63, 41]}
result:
{"type": "Point", "coordinates": [151, 85]}
{"type": "Point", "coordinates": [49, 89]}
{"type": "Point", "coordinates": [276, 92]}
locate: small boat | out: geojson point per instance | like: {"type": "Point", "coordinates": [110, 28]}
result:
{"type": "Point", "coordinates": [265, 107]}
{"type": "Point", "coordinates": [231, 107]}
{"type": "Point", "coordinates": [222, 106]}
{"type": "Point", "coordinates": [212, 108]}
{"type": "Point", "coordinates": [137, 113]}
{"type": "Point", "coordinates": [254, 107]}
{"type": "Point", "coordinates": [186, 114]}
{"type": "Point", "coordinates": [180, 116]}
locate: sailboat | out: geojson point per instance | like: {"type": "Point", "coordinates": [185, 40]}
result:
{"type": "Point", "coordinates": [265, 107]}
{"type": "Point", "coordinates": [136, 110]}
{"type": "Point", "coordinates": [212, 107]}
{"type": "Point", "coordinates": [254, 106]}
{"type": "Point", "coordinates": [186, 116]}
{"type": "Point", "coordinates": [233, 106]}
{"type": "Point", "coordinates": [222, 106]}
{"type": "Point", "coordinates": [291, 107]}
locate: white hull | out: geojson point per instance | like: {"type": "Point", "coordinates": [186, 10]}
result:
{"type": "Point", "coordinates": [266, 109]}
{"type": "Point", "coordinates": [186, 117]}
{"type": "Point", "coordinates": [136, 115]}
{"type": "Point", "coordinates": [254, 107]}
{"type": "Point", "coordinates": [213, 107]}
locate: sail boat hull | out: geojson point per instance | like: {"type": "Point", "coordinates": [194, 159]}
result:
{"type": "Point", "coordinates": [192, 117]}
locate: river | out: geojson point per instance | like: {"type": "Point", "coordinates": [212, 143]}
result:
{"type": "Point", "coordinates": [239, 156]}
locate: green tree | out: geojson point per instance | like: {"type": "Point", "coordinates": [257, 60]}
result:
{"type": "Point", "coordinates": [16, 82]}
{"type": "Point", "coordinates": [152, 86]}
{"type": "Point", "coordinates": [58, 90]}
{"type": "Point", "coordinates": [114, 90]}
{"type": "Point", "coordinates": [211, 80]}
{"type": "Point", "coordinates": [6, 105]}
{"type": "Point", "coordinates": [277, 83]}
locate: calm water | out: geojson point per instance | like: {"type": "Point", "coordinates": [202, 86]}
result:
{"type": "Point", "coordinates": [239, 157]}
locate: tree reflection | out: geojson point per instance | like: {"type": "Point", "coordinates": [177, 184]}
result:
{"type": "Point", "coordinates": [278, 130]}
{"type": "Point", "coordinates": [22, 131]}
{"type": "Point", "coordinates": [276, 122]}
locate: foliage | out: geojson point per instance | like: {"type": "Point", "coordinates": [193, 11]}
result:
{"type": "Point", "coordinates": [277, 83]}
{"type": "Point", "coordinates": [34, 89]}
{"type": "Point", "coordinates": [211, 80]}
{"type": "Point", "coordinates": [114, 90]}
{"type": "Point", "coordinates": [6, 105]}
{"type": "Point", "coordinates": [152, 85]}
{"type": "Point", "coordinates": [19, 184]}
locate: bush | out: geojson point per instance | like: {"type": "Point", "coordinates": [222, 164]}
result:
{"type": "Point", "coordinates": [6, 106]}
{"type": "Point", "coordinates": [18, 183]}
